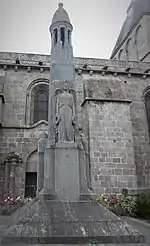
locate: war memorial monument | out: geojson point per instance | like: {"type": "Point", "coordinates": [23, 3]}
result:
{"type": "Point", "coordinates": [64, 211]}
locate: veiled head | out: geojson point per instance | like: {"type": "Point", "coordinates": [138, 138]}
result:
{"type": "Point", "coordinates": [66, 88]}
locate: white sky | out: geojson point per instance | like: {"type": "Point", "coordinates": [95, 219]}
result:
{"type": "Point", "coordinates": [24, 25]}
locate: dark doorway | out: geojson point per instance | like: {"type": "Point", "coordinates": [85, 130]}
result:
{"type": "Point", "coordinates": [31, 184]}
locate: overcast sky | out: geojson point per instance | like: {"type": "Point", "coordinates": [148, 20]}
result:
{"type": "Point", "coordinates": [24, 25]}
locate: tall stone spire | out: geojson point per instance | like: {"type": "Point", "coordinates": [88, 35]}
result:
{"type": "Point", "coordinates": [61, 153]}
{"type": "Point", "coordinates": [62, 67]}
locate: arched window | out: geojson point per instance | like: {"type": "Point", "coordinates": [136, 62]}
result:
{"type": "Point", "coordinates": [147, 105]}
{"type": "Point", "coordinates": [40, 106]}
{"type": "Point", "coordinates": [39, 103]}
{"type": "Point", "coordinates": [55, 36]}
{"type": "Point", "coordinates": [69, 36]}
{"type": "Point", "coordinates": [37, 95]}
{"type": "Point", "coordinates": [128, 50]}
{"type": "Point", "coordinates": [139, 41]}
{"type": "Point", "coordinates": [62, 35]}
{"type": "Point", "coordinates": [121, 55]}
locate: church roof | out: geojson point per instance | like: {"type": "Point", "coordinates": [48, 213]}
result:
{"type": "Point", "coordinates": [60, 15]}
{"type": "Point", "coordinates": [135, 11]}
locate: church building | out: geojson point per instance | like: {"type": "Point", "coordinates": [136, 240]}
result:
{"type": "Point", "coordinates": [113, 107]}
{"type": "Point", "coordinates": [133, 43]}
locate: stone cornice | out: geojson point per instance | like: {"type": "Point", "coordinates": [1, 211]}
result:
{"type": "Point", "coordinates": [26, 126]}
{"type": "Point", "coordinates": [90, 69]}
{"type": "Point", "coordinates": [89, 99]}
{"type": "Point", "coordinates": [42, 62]}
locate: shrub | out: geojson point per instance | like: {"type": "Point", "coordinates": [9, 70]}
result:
{"type": "Point", "coordinates": [117, 209]}
{"type": "Point", "coordinates": [9, 209]}
{"type": "Point", "coordinates": [112, 203]}
{"type": "Point", "coordinates": [101, 199]}
{"type": "Point", "coordinates": [128, 204]}
{"type": "Point", "coordinates": [143, 205]}
{"type": "Point", "coordinates": [134, 206]}
{"type": "Point", "coordinates": [120, 205]}
{"type": "Point", "coordinates": [112, 199]}
{"type": "Point", "coordinates": [10, 205]}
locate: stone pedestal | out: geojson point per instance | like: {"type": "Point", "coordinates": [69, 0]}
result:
{"type": "Point", "coordinates": [49, 170]}
{"type": "Point", "coordinates": [40, 165]}
{"type": "Point", "coordinates": [82, 172]}
{"type": "Point", "coordinates": [67, 171]}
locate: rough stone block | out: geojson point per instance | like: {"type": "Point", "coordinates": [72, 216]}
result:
{"type": "Point", "coordinates": [67, 171]}
{"type": "Point", "coordinates": [57, 222]}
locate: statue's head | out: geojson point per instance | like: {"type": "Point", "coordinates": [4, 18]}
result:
{"type": "Point", "coordinates": [66, 88]}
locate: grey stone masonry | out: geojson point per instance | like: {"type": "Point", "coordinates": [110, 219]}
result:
{"type": "Point", "coordinates": [2, 98]}
{"type": "Point", "coordinates": [94, 78]}
{"type": "Point", "coordinates": [7, 59]}
{"type": "Point", "coordinates": [111, 147]}
{"type": "Point", "coordinates": [117, 88]}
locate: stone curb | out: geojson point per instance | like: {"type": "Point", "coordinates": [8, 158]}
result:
{"type": "Point", "coordinates": [137, 221]}
{"type": "Point", "coordinates": [14, 217]}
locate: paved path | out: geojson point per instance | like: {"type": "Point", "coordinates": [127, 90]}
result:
{"type": "Point", "coordinates": [4, 221]}
{"type": "Point", "coordinates": [77, 245]}
{"type": "Point", "coordinates": [141, 226]}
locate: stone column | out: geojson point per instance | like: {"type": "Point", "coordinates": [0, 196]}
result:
{"type": "Point", "coordinates": [12, 179]}
{"type": "Point", "coordinates": [11, 161]}
{"type": "Point", "coordinates": [66, 37]}
{"type": "Point", "coordinates": [6, 179]}
{"type": "Point", "coordinates": [58, 35]}
{"type": "Point", "coordinates": [88, 173]}
{"type": "Point", "coordinates": [84, 161]}
{"type": "Point", "coordinates": [1, 105]}
{"type": "Point", "coordinates": [40, 166]}
{"type": "Point", "coordinates": [49, 171]}
{"type": "Point", "coordinates": [53, 37]}
{"type": "Point", "coordinates": [83, 172]}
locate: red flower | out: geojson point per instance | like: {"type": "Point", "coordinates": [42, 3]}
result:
{"type": "Point", "coordinates": [113, 198]}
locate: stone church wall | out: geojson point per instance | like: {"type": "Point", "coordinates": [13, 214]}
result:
{"type": "Point", "coordinates": [17, 135]}
{"type": "Point", "coordinates": [111, 147]}
{"type": "Point", "coordinates": [103, 88]}
{"type": "Point", "coordinates": [136, 45]}
{"type": "Point", "coordinates": [24, 142]}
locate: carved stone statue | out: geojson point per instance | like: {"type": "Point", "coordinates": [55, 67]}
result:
{"type": "Point", "coordinates": [82, 143]}
{"type": "Point", "coordinates": [65, 115]}
{"type": "Point", "coordinates": [83, 139]}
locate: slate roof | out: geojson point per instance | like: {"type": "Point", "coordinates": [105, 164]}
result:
{"type": "Point", "coordinates": [139, 8]}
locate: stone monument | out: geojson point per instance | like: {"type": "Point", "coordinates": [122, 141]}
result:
{"type": "Point", "coordinates": [64, 211]}
{"type": "Point", "coordinates": [65, 116]}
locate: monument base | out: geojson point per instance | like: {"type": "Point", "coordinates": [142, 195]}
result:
{"type": "Point", "coordinates": [64, 222]}
{"type": "Point", "coordinates": [67, 171]}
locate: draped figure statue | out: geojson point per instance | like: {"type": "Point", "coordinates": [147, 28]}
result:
{"type": "Point", "coordinates": [65, 115]}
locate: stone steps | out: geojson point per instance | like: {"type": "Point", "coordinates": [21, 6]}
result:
{"type": "Point", "coordinates": [80, 244]}
{"type": "Point", "coordinates": [60, 222]}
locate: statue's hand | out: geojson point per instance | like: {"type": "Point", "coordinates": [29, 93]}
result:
{"type": "Point", "coordinates": [57, 120]}
{"type": "Point", "coordinates": [73, 120]}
